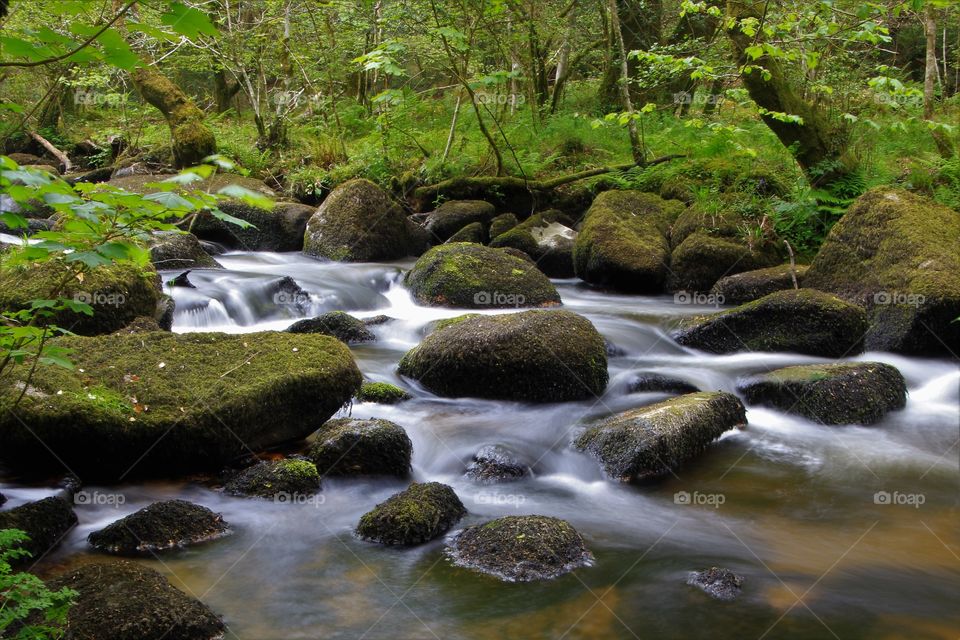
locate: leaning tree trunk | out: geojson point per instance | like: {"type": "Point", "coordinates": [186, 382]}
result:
{"type": "Point", "coordinates": [192, 139]}
{"type": "Point", "coordinates": [819, 144]}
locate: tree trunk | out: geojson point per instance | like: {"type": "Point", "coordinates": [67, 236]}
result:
{"type": "Point", "coordinates": [224, 90]}
{"type": "Point", "coordinates": [192, 139]}
{"type": "Point", "coordinates": [930, 74]}
{"type": "Point", "coordinates": [640, 23]}
{"type": "Point", "coordinates": [636, 145]}
{"type": "Point", "coordinates": [818, 144]}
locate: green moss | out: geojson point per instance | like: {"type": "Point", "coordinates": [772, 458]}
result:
{"type": "Point", "coordinates": [472, 276]}
{"type": "Point", "coordinates": [161, 526]}
{"type": "Point", "coordinates": [118, 293]}
{"type": "Point", "coordinates": [701, 260]}
{"type": "Point", "coordinates": [520, 548]}
{"type": "Point", "coordinates": [382, 393]}
{"type": "Point", "coordinates": [623, 242]}
{"type": "Point", "coordinates": [893, 246]}
{"type": "Point", "coordinates": [538, 356]}
{"type": "Point", "coordinates": [473, 232]}
{"type": "Point", "coordinates": [502, 224]}
{"type": "Point", "coordinates": [799, 321]}
{"type": "Point", "coordinates": [841, 393]}
{"type": "Point", "coordinates": [197, 399]}
{"type": "Point", "coordinates": [361, 447]}
{"type": "Point", "coordinates": [416, 515]}
{"type": "Point", "coordinates": [276, 479]}
{"type": "Point", "coordinates": [752, 285]}
{"type": "Point", "coordinates": [652, 441]}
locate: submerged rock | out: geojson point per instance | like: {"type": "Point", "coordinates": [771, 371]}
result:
{"type": "Point", "coordinates": [520, 548]}
{"type": "Point", "coordinates": [721, 584]}
{"type": "Point", "coordinates": [165, 525]}
{"type": "Point", "coordinates": [474, 276]}
{"type": "Point", "coordinates": [279, 480]}
{"type": "Point", "coordinates": [896, 253]}
{"type": "Point", "coordinates": [536, 356]}
{"type": "Point", "coordinates": [161, 402]}
{"type": "Point", "coordinates": [496, 463]}
{"type": "Point", "coordinates": [172, 250]}
{"type": "Point", "coordinates": [347, 446]}
{"type": "Point", "coordinates": [653, 441]}
{"type": "Point", "coordinates": [45, 521]}
{"type": "Point", "coordinates": [338, 324]}
{"type": "Point", "coordinates": [841, 393]}
{"type": "Point", "coordinates": [382, 393]}
{"type": "Point", "coordinates": [623, 242]}
{"type": "Point", "coordinates": [452, 216]}
{"type": "Point", "coordinates": [123, 600]}
{"type": "Point", "coordinates": [753, 285]}
{"type": "Point", "coordinates": [654, 382]}
{"type": "Point", "coordinates": [359, 222]}
{"type": "Point", "coordinates": [418, 514]}
{"type": "Point", "coordinates": [799, 321]}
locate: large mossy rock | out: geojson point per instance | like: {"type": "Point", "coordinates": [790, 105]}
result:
{"type": "Point", "coordinates": [338, 324]}
{"type": "Point", "coordinates": [520, 548]}
{"type": "Point", "coordinates": [536, 356]}
{"type": "Point", "coordinates": [841, 393]}
{"type": "Point", "coordinates": [123, 600]}
{"type": "Point", "coordinates": [170, 524]}
{"type": "Point", "coordinates": [896, 253]}
{"type": "Point", "coordinates": [279, 480]}
{"type": "Point", "coordinates": [798, 321]}
{"type": "Point", "coordinates": [453, 215]}
{"type": "Point", "coordinates": [45, 521]}
{"type": "Point", "coordinates": [159, 402]}
{"type": "Point", "coordinates": [702, 259]}
{"type": "Point", "coordinates": [359, 222]}
{"type": "Point", "coordinates": [623, 242]}
{"type": "Point", "coordinates": [172, 250]}
{"type": "Point", "coordinates": [348, 447]}
{"type": "Point", "coordinates": [753, 285]}
{"type": "Point", "coordinates": [474, 276]}
{"type": "Point", "coordinates": [418, 514]}
{"type": "Point", "coordinates": [544, 238]}
{"type": "Point", "coordinates": [118, 294]}
{"type": "Point", "coordinates": [280, 228]}
{"type": "Point", "coordinates": [652, 441]}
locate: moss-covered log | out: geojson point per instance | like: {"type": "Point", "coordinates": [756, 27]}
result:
{"type": "Point", "coordinates": [192, 139]}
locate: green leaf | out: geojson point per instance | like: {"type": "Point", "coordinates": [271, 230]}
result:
{"type": "Point", "coordinates": [252, 198]}
{"type": "Point", "coordinates": [188, 21]}
{"type": "Point", "coordinates": [226, 217]}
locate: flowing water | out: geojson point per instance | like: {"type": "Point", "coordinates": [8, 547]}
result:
{"type": "Point", "coordinates": [790, 505]}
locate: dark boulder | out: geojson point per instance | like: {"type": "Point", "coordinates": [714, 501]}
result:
{"type": "Point", "coordinates": [657, 383]}
{"type": "Point", "coordinates": [346, 446]}
{"type": "Point", "coordinates": [496, 463]}
{"type": "Point", "coordinates": [454, 215]}
{"type": "Point", "coordinates": [720, 584]}
{"type": "Point", "coordinates": [278, 480]}
{"type": "Point", "coordinates": [753, 285]}
{"type": "Point", "coordinates": [46, 522]}
{"type": "Point", "coordinates": [170, 524]}
{"type": "Point", "coordinates": [172, 250]}
{"type": "Point", "coordinates": [338, 324]}
{"type": "Point", "coordinates": [418, 514]}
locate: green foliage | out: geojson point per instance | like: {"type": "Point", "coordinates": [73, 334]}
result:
{"type": "Point", "coordinates": [28, 609]}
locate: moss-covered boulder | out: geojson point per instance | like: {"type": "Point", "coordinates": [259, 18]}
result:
{"type": "Point", "coordinates": [496, 463]}
{"type": "Point", "coordinates": [453, 215]}
{"type": "Point", "coordinates": [520, 548]}
{"type": "Point", "coordinates": [171, 250]}
{"type": "Point", "coordinates": [338, 324]}
{"type": "Point", "coordinates": [840, 393]}
{"type": "Point", "coordinates": [653, 441]}
{"type": "Point", "coordinates": [719, 584]}
{"type": "Point", "coordinates": [123, 600]}
{"type": "Point", "coordinates": [799, 321]}
{"type": "Point", "coordinates": [277, 480]}
{"type": "Point", "coordinates": [118, 293]}
{"type": "Point", "coordinates": [170, 524]}
{"type": "Point", "coordinates": [358, 222]}
{"type": "Point", "coordinates": [547, 241]}
{"type": "Point", "coordinates": [623, 242]}
{"type": "Point", "coordinates": [502, 223]}
{"type": "Point", "coordinates": [753, 285]}
{"type": "Point", "coordinates": [718, 218]}
{"type": "Point", "coordinates": [473, 232]}
{"type": "Point", "coordinates": [702, 259]}
{"type": "Point", "coordinates": [658, 383]}
{"type": "Point", "coordinates": [418, 514]}
{"type": "Point", "coordinates": [161, 402]}
{"type": "Point", "coordinates": [896, 252]}
{"type": "Point", "coordinates": [280, 228]}
{"type": "Point", "coordinates": [45, 521]}
{"type": "Point", "coordinates": [536, 356]}
{"type": "Point", "coordinates": [350, 447]}
{"type": "Point", "coordinates": [381, 393]}
{"type": "Point", "coordinates": [474, 276]}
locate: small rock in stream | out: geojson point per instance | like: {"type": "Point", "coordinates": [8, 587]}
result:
{"type": "Point", "coordinates": [721, 584]}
